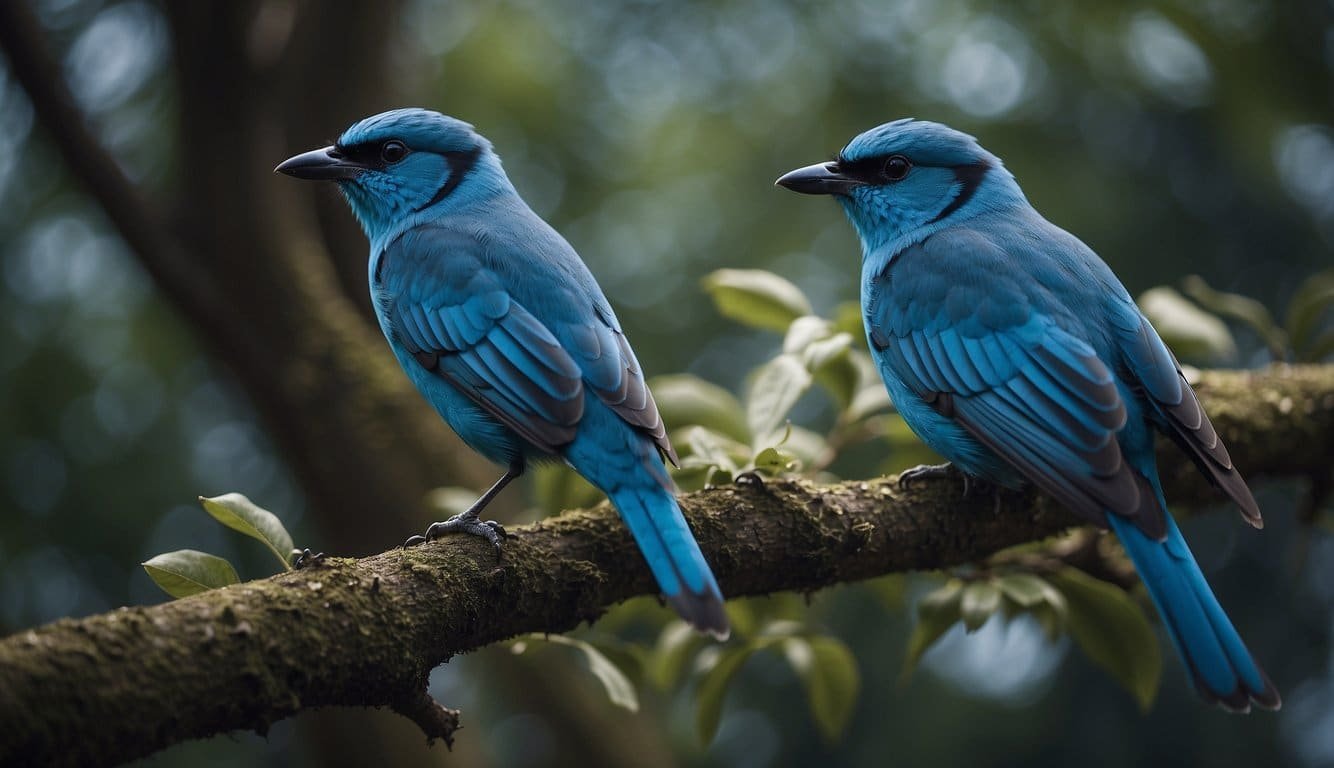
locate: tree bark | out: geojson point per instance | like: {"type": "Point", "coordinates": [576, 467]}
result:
{"type": "Point", "coordinates": [367, 632]}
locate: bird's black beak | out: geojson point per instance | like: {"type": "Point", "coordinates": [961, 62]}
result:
{"type": "Point", "coordinates": [327, 164]}
{"type": "Point", "coordinates": [819, 179]}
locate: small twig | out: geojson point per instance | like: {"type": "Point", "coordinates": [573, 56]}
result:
{"type": "Point", "coordinates": [435, 719]}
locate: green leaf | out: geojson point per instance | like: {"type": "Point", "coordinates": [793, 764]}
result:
{"type": "Point", "coordinates": [188, 572]}
{"type": "Point", "coordinates": [714, 448]}
{"type": "Point", "coordinates": [1240, 308]}
{"type": "Point", "coordinates": [841, 378]}
{"type": "Point", "coordinates": [713, 688]}
{"type": "Point", "coordinates": [1051, 618]}
{"type": "Point", "coordinates": [1191, 332]}
{"type": "Point", "coordinates": [1027, 590]}
{"type": "Point", "coordinates": [829, 673]}
{"type": "Point", "coordinates": [1315, 295]}
{"type": "Point", "coordinates": [1033, 595]}
{"type": "Point", "coordinates": [774, 461]}
{"type": "Point", "coordinates": [822, 353]}
{"type": "Point", "coordinates": [848, 319]}
{"type": "Point", "coordinates": [979, 601]}
{"type": "Point", "coordinates": [667, 662]}
{"type": "Point", "coordinates": [744, 615]}
{"type": "Point", "coordinates": [1321, 347]}
{"type": "Point", "coordinates": [719, 476]}
{"type": "Point", "coordinates": [757, 298]}
{"type": "Point", "coordinates": [868, 401]}
{"type": "Point", "coordinates": [891, 591]}
{"type": "Point", "coordinates": [936, 613]}
{"type": "Point", "coordinates": [814, 341]}
{"type": "Point", "coordinates": [684, 399]}
{"type": "Point", "coordinates": [776, 387]}
{"type": "Point", "coordinates": [803, 332]}
{"type": "Point", "coordinates": [237, 512]}
{"type": "Point", "coordinates": [620, 691]}
{"type": "Point", "coordinates": [1113, 631]}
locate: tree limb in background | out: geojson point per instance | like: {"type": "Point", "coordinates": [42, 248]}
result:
{"type": "Point", "coordinates": [238, 261]}
{"type": "Point", "coordinates": [367, 632]}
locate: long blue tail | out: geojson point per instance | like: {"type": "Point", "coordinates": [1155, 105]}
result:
{"type": "Point", "coordinates": [625, 464]}
{"type": "Point", "coordinates": [1221, 667]}
{"type": "Point", "coordinates": [656, 522]}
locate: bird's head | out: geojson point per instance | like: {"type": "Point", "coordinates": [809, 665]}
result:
{"type": "Point", "coordinates": [907, 178]}
{"type": "Point", "coordinates": [401, 167]}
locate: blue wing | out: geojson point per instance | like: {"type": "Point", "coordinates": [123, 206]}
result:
{"type": "Point", "coordinates": [454, 316]}
{"type": "Point", "coordinates": [445, 304]}
{"type": "Point", "coordinates": [979, 348]}
{"type": "Point", "coordinates": [612, 372]}
{"type": "Point", "coordinates": [1176, 407]}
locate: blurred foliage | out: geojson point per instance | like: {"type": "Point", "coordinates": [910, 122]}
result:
{"type": "Point", "coordinates": [1197, 331]}
{"type": "Point", "coordinates": [1173, 137]}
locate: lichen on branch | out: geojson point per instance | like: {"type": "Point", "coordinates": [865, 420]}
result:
{"type": "Point", "coordinates": [367, 632]}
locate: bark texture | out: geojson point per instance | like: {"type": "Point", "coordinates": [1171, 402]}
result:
{"type": "Point", "coordinates": [367, 632]}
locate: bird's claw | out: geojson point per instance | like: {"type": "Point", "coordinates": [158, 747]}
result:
{"type": "Point", "coordinates": [306, 559]}
{"type": "Point", "coordinates": [924, 471]}
{"type": "Point", "coordinates": [490, 530]}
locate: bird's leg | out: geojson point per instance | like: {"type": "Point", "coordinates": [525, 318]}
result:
{"type": "Point", "coordinates": [468, 521]}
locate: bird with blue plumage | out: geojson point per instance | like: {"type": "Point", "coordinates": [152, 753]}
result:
{"type": "Point", "coordinates": [1011, 349]}
{"type": "Point", "coordinates": [504, 331]}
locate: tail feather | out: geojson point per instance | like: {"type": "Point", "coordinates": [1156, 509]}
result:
{"type": "Point", "coordinates": [655, 520]}
{"type": "Point", "coordinates": [1221, 667]}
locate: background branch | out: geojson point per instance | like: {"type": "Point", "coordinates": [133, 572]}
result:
{"type": "Point", "coordinates": [258, 286]}
{"type": "Point", "coordinates": [367, 632]}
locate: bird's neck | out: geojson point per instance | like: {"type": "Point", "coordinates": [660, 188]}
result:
{"type": "Point", "coordinates": [384, 225]}
{"type": "Point", "coordinates": [884, 232]}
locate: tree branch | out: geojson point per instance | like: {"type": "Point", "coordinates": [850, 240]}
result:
{"type": "Point", "coordinates": [139, 223]}
{"type": "Point", "coordinates": [367, 632]}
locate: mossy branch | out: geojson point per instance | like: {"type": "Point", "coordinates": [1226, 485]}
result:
{"type": "Point", "coordinates": [367, 632]}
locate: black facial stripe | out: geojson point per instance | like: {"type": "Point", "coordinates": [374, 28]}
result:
{"type": "Point", "coordinates": [366, 154]}
{"type": "Point", "coordinates": [969, 178]}
{"type": "Point", "coordinates": [459, 165]}
{"type": "Point", "coordinates": [866, 169]}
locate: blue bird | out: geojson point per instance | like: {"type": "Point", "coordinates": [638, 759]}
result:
{"type": "Point", "coordinates": [504, 331]}
{"type": "Point", "coordinates": [1012, 350]}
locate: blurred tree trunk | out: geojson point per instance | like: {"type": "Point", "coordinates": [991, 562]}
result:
{"type": "Point", "coordinates": [257, 81]}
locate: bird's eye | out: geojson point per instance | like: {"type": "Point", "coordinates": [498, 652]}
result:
{"type": "Point", "coordinates": [896, 167]}
{"type": "Point", "coordinates": [393, 151]}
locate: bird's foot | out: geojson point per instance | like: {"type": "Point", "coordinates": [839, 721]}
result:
{"type": "Point", "coordinates": [465, 522]}
{"type": "Point", "coordinates": [306, 558]}
{"type": "Point", "coordinates": [972, 485]}
{"type": "Point", "coordinates": [924, 471]}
